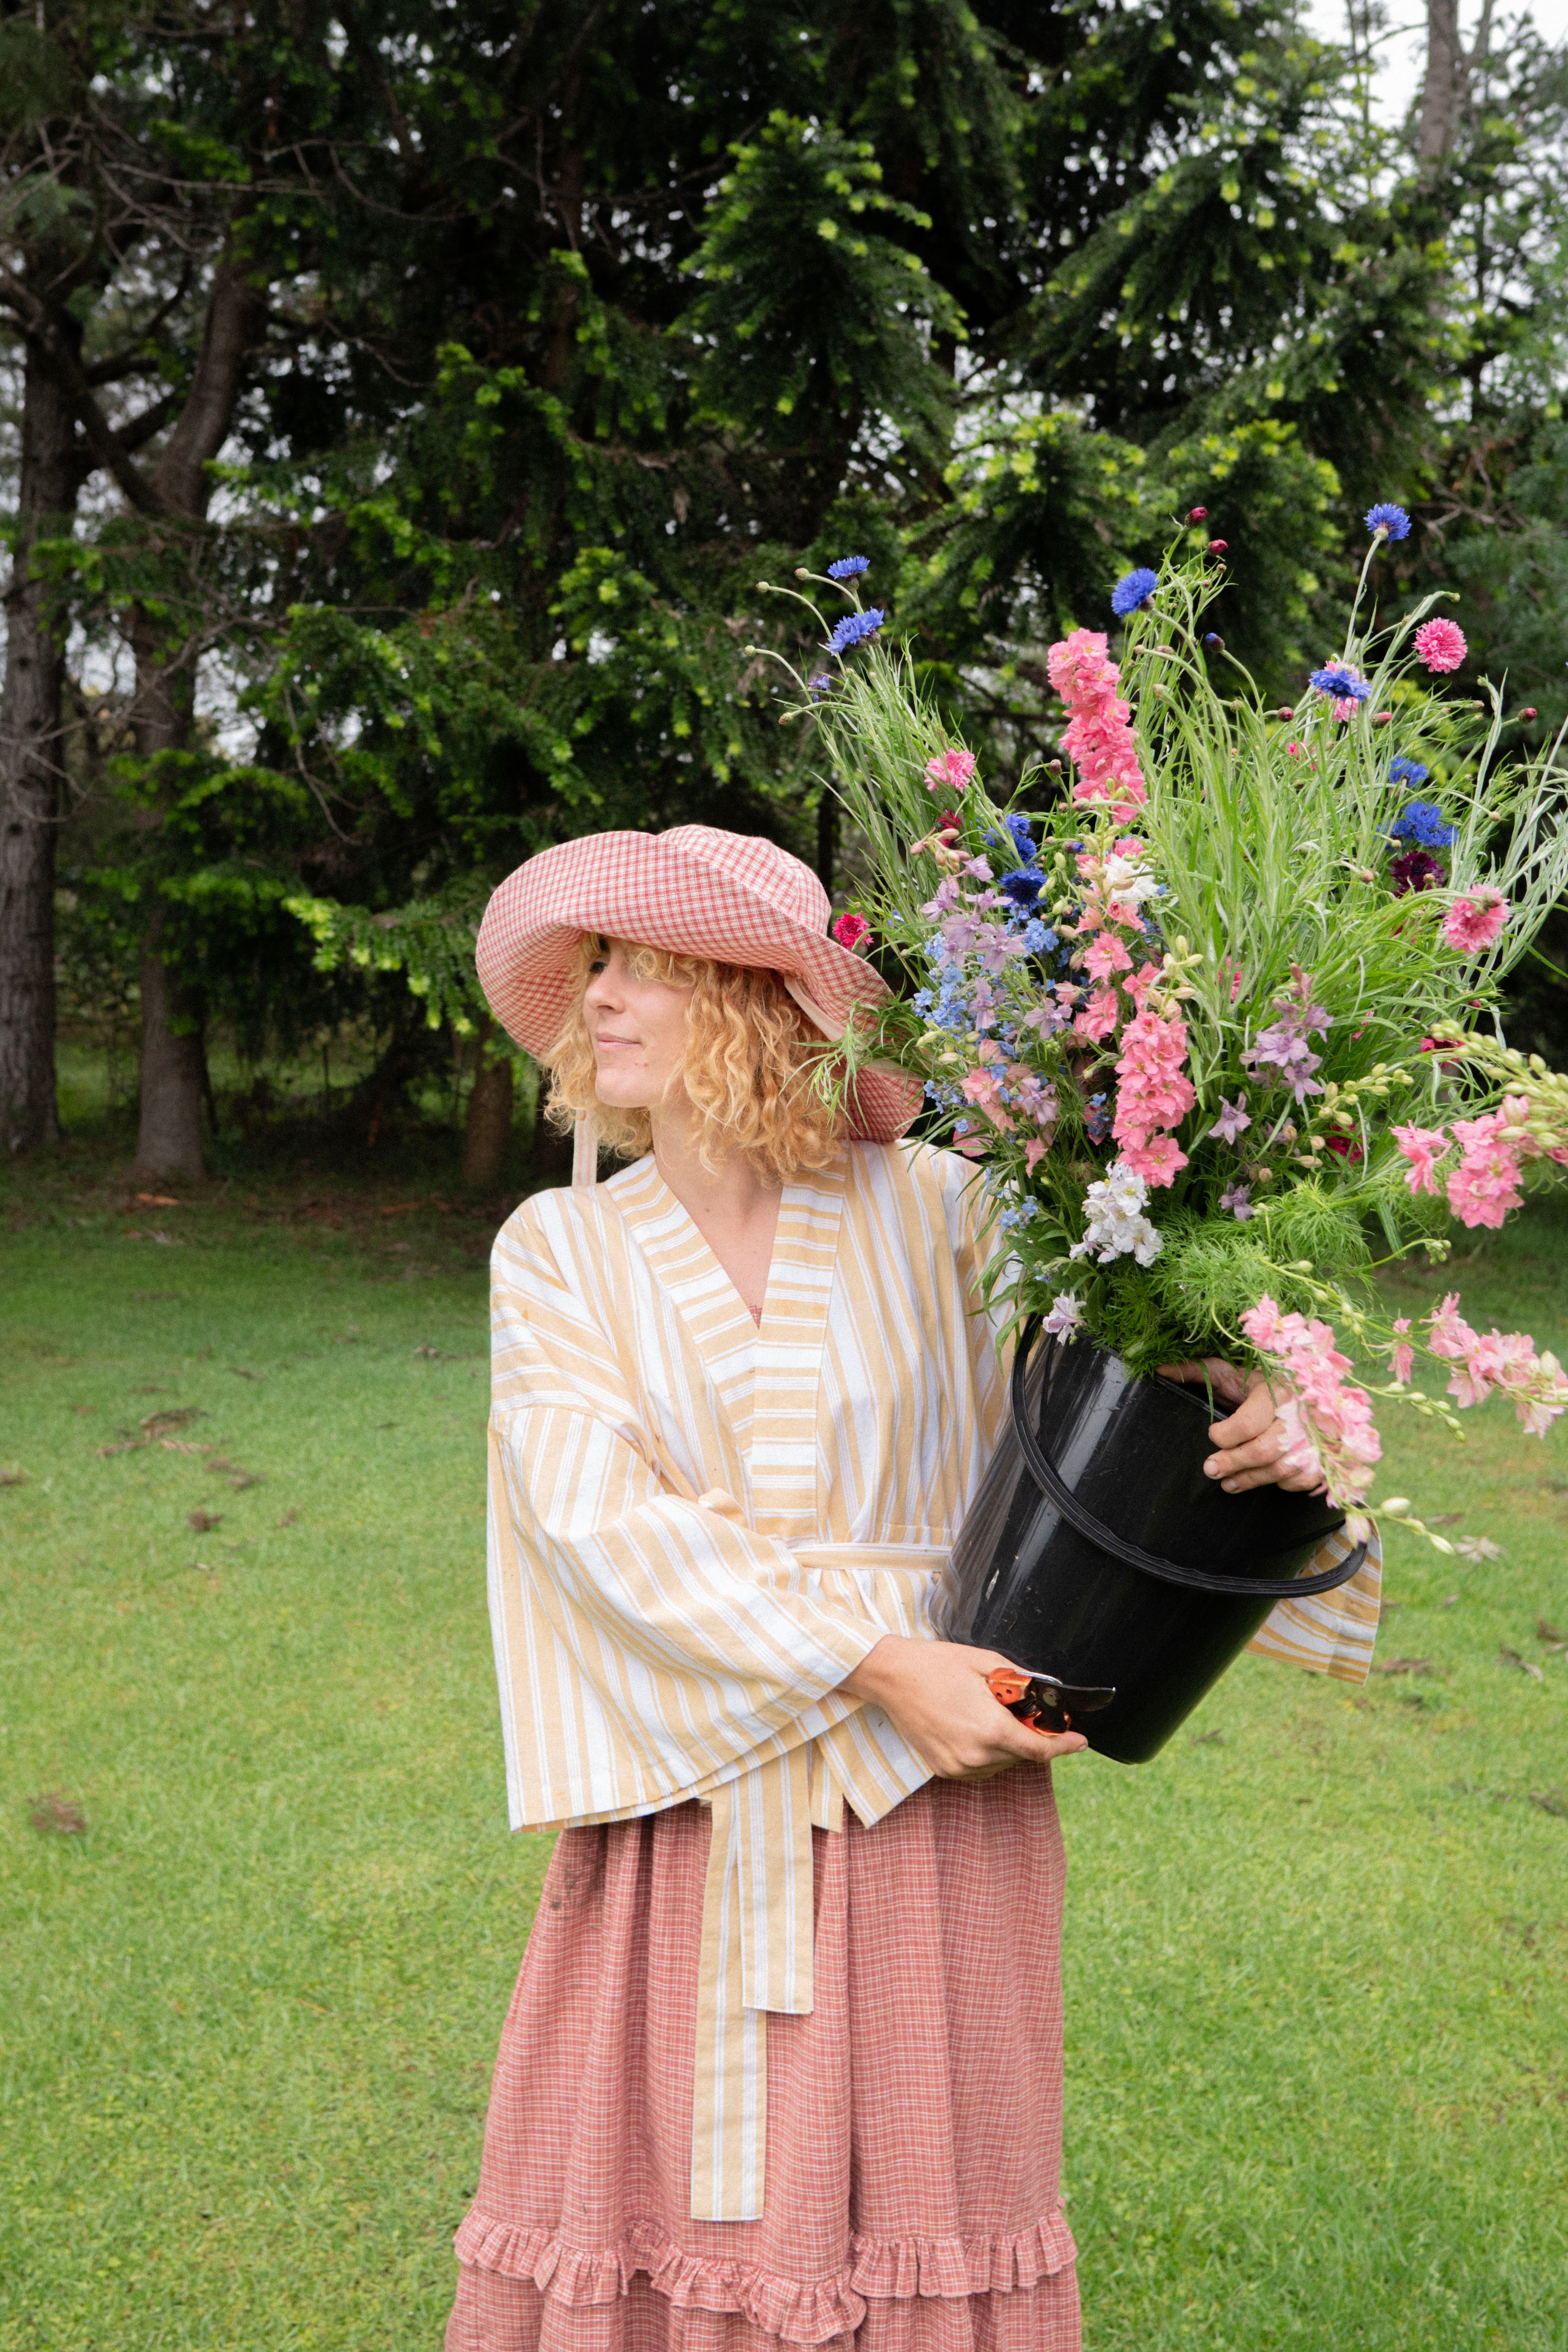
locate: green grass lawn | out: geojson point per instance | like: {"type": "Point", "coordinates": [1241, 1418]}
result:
{"type": "Point", "coordinates": [1317, 1955]}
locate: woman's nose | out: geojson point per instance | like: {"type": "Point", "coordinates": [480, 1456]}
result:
{"type": "Point", "coordinates": [603, 991]}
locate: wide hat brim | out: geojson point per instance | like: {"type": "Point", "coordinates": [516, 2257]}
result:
{"type": "Point", "coordinates": [693, 891]}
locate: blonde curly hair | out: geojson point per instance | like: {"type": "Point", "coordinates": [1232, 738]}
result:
{"type": "Point", "coordinates": [747, 1070]}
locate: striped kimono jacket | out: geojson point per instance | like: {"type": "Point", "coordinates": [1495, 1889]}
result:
{"type": "Point", "coordinates": [698, 1527]}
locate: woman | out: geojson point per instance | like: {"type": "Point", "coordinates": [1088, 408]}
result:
{"type": "Point", "coordinates": [783, 2064]}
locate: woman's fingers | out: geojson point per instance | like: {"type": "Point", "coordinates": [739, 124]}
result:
{"type": "Point", "coordinates": [936, 1694]}
{"type": "Point", "coordinates": [1228, 1381]}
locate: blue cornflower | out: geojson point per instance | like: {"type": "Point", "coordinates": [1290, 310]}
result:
{"type": "Point", "coordinates": [1343, 684]}
{"type": "Point", "coordinates": [1391, 522]}
{"type": "Point", "coordinates": [849, 567]}
{"type": "Point", "coordinates": [1017, 838]}
{"type": "Point", "coordinates": [1023, 886]}
{"type": "Point", "coordinates": [819, 686]}
{"type": "Point", "coordinates": [1407, 771]}
{"type": "Point", "coordinates": [1423, 823]}
{"type": "Point", "coordinates": [854, 627]}
{"type": "Point", "coordinates": [1134, 588]}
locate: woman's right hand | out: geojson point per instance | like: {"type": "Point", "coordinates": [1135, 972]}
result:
{"type": "Point", "coordinates": [936, 1695]}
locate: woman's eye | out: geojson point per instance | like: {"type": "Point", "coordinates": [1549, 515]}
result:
{"type": "Point", "coordinates": [599, 964]}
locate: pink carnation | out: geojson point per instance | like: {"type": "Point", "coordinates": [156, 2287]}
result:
{"type": "Point", "coordinates": [950, 772]}
{"type": "Point", "coordinates": [1471, 924]}
{"type": "Point", "coordinates": [1440, 644]}
{"type": "Point", "coordinates": [852, 932]}
{"type": "Point", "coordinates": [1421, 1146]}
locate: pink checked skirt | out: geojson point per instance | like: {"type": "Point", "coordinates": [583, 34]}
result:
{"type": "Point", "coordinates": [914, 2118]}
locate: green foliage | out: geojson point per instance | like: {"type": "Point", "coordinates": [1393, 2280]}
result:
{"type": "Point", "coordinates": [817, 323]}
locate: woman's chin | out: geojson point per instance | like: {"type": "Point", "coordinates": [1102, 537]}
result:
{"type": "Point", "coordinates": [620, 1090]}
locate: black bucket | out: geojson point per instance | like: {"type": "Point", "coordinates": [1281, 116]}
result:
{"type": "Point", "coordinates": [1099, 1552]}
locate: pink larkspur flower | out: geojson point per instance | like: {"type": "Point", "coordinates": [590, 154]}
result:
{"type": "Point", "coordinates": [950, 772]}
{"type": "Point", "coordinates": [1151, 1091]}
{"type": "Point", "coordinates": [1099, 1016]}
{"type": "Point", "coordinates": [1440, 644]}
{"type": "Point", "coordinates": [1421, 1146]}
{"type": "Point", "coordinates": [1329, 1426]}
{"type": "Point", "coordinates": [1107, 955]}
{"type": "Point", "coordinates": [1159, 1162]}
{"type": "Point", "coordinates": [1484, 1185]}
{"type": "Point", "coordinates": [1402, 1355]}
{"type": "Point", "coordinates": [1034, 1151]}
{"type": "Point", "coordinates": [1473, 922]}
{"type": "Point", "coordinates": [1099, 740]}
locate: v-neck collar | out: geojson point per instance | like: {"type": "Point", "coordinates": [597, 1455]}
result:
{"type": "Point", "coordinates": [788, 1345]}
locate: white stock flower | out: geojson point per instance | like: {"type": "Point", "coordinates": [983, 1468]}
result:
{"type": "Point", "coordinates": [1115, 1225]}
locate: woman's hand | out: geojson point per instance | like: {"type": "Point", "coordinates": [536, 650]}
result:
{"type": "Point", "coordinates": [936, 1695]}
{"type": "Point", "coordinates": [1252, 1440]}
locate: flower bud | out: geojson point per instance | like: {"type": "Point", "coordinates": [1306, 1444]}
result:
{"type": "Point", "coordinates": [1198, 514]}
{"type": "Point", "coordinates": [1218, 546]}
{"type": "Point", "coordinates": [1396, 1506]}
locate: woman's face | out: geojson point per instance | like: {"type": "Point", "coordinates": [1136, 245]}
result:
{"type": "Point", "coordinates": [638, 1030]}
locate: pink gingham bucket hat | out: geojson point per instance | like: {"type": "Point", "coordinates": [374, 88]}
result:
{"type": "Point", "coordinates": [696, 892]}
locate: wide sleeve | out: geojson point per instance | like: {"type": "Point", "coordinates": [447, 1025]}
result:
{"type": "Point", "coordinates": [646, 1638]}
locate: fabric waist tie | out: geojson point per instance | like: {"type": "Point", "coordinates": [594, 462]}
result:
{"type": "Point", "coordinates": [757, 1923]}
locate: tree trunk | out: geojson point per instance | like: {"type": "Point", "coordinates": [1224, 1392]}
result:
{"type": "Point", "coordinates": [170, 1139]}
{"type": "Point", "coordinates": [30, 773]}
{"type": "Point", "coordinates": [489, 1128]}
{"type": "Point", "coordinates": [169, 1134]}
{"type": "Point", "coordinates": [1445, 85]}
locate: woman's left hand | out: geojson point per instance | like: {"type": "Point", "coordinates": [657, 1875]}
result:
{"type": "Point", "coordinates": [1251, 1442]}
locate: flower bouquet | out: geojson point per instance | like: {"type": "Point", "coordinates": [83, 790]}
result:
{"type": "Point", "coordinates": [1210, 1000]}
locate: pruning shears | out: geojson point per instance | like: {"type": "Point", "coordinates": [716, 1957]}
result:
{"type": "Point", "coordinates": [1043, 1701]}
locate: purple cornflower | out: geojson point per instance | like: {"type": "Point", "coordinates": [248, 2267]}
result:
{"type": "Point", "coordinates": [1132, 590]}
{"type": "Point", "coordinates": [855, 626]}
{"type": "Point", "coordinates": [1417, 870]}
{"type": "Point", "coordinates": [1238, 1200]}
{"type": "Point", "coordinates": [819, 686]}
{"type": "Point", "coordinates": [1233, 1118]}
{"type": "Point", "coordinates": [1386, 521]}
{"type": "Point", "coordinates": [848, 567]}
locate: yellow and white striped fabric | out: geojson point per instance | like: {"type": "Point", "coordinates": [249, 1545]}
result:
{"type": "Point", "coordinates": [698, 1527]}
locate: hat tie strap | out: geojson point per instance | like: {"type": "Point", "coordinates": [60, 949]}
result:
{"type": "Point", "coordinates": [585, 1152]}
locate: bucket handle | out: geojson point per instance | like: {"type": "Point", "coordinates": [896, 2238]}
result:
{"type": "Point", "coordinates": [1044, 1472]}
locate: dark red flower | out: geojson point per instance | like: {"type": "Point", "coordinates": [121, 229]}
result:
{"type": "Point", "coordinates": [1198, 514]}
{"type": "Point", "coordinates": [1218, 546]}
{"type": "Point", "coordinates": [1417, 870]}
